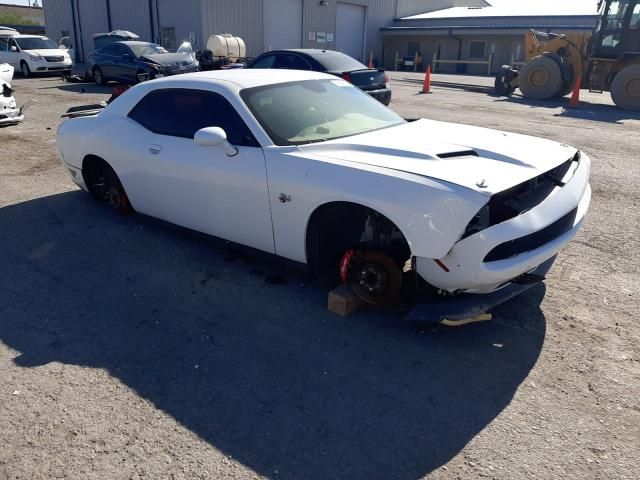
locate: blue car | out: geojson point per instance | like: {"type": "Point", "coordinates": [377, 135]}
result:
{"type": "Point", "coordinates": [132, 62]}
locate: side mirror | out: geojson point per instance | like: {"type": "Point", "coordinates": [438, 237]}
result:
{"type": "Point", "coordinates": [14, 48]}
{"type": "Point", "coordinates": [215, 137]}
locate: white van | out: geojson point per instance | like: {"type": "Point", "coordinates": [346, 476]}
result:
{"type": "Point", "coordinates": [33, 54]}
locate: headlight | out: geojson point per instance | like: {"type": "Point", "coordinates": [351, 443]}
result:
{"type": "Point", "coordinates": [35, 57]}
{"type": "Point", "coordinates": [154, 66]}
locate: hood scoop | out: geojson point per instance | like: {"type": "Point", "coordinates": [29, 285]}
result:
{"type": "Point", "coordinates": [463, 153]}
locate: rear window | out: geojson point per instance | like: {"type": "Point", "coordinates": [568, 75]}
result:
{"type": "Point", "coordinates": [338, 62]}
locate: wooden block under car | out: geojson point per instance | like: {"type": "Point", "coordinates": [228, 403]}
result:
{"type": "Point", "coordinates": [343, 302]}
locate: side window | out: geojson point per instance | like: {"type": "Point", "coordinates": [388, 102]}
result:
{"type": "Point", "coordinates": [635, 18]}
{"type": "Point", "coordinates": [266, 62]}
{"type": "Point", "coordinates": [292, 62]}
{"type": "Point", "coordinates": [121, 51]}
{"type": "Point", "coordinates": [12, 43]}
{"type": "Point", "coordinates": [4, 45]}
{"type": "Point", "coordinates": [182, 112]}
{"type": "Point", "coordinates": [109, 50]}
{"type": "Point", "coordinates": [477, 49]}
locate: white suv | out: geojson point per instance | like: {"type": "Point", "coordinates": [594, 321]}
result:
{"type": "Point", "coordinates": [34, 54]}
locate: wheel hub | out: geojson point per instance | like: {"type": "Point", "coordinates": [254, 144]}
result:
{"type": "Point", "coordinates": [373, 278]}
{"type": "Point", "coordinates": [633, 88]}
{"type": "Point", "coordinates": [539, 78]}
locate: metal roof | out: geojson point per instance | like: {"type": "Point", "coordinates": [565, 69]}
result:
{"type": "Point", "coordinates": [516, 8]}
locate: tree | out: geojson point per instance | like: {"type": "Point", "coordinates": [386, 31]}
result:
{"type": "Point", "coordinates": [10, 18]}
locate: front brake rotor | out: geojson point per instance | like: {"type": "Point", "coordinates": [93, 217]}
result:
{"type": "Point", "coordinates": [373, 276]}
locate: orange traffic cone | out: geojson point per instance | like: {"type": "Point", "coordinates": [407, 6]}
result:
{"type": "Point", "coordinates": [575, 96]}
{"type": "Point", "coordinates": [426, 86]}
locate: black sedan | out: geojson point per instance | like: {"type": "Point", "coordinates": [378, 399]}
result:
{"type": "Point", "coordinates": [133, 62]}
{"type": "Point", "coordinates": [371, 80]}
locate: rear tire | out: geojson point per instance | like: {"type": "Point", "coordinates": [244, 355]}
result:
{"type": "Point", "coordinates": [105, 186]}
{"type": "Point", "coordinates": [541, 78]}
{"type": "Point", "coordinates": [625, 89]}
{"type": "Point", "coordinates": [24, 68]}
{"type": "Point", "coordinates": [98, 76]}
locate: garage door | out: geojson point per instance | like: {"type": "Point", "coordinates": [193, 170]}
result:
{"type": "Point", "coordinates": [350, 30]}
{"type": "Point", "coordinates": [282, 24]}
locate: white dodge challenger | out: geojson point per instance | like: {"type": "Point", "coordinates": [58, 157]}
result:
{"type": "Point", "coordinates": [305, 166]}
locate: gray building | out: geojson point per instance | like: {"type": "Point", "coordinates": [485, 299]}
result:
{"type": "Point", "coordinates": [494, 32]}
{"type": "Point", "coordinates": [351, 26]}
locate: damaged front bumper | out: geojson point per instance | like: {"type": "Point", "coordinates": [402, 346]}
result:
{"type": "Point", "coordinates": [470, 305]}
{"type": "Point", "coordinates": [11, 117]}
{"type": "Point", "coordinates": [488, 260]}
{"type": "Point", "coordinates": [10, 114]}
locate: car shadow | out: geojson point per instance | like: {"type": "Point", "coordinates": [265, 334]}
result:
{"type": "Point", "coordinates": [82, 88]}
{"type": "Point", "coordinates": [585, 111]}
{"type": "Point", "coordinates": [257, 369]}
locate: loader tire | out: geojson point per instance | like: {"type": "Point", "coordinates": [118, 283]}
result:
{"type": "Point", "coordinates": [625, 88]}
{"type": "Point", "coordinates": [541, 78]}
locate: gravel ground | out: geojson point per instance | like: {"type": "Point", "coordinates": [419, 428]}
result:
{"type": "Point", "coordinates": [132, 349]}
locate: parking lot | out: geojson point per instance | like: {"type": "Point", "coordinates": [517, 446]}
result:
{"type": "Point", "coordinates": [133, 349]}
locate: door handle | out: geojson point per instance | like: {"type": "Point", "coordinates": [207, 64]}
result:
{"type": "Point", "coordinates": [155, 149]}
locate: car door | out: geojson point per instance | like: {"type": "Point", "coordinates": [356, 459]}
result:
{"type": "Point", "coordinates": [201, 188]}
{"type": "Point", "coordinates": [106, 61]}
{"type": "Point", "coordinates": [124, 67]}
{"type": "Point", "coordinates": [4, 48]}
{"type": "Point", "coordinates": [13, 54]}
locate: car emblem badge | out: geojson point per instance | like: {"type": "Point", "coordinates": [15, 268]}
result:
{"type": "Point", "coordinates": [482, 184]}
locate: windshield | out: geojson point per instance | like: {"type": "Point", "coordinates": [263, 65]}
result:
{"type": "Point", "coordinates": [316, 110]}
{"type": "Point", "coordinates": [35, 43]}
{"type": "Point", "coordinates": [144, 49]}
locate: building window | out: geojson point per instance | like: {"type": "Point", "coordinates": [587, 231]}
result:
{"type": "Point", "coordinates": [168, 38]}
{"type": "Point", "coordinates": [477, 49]}
{"type": "Point", "coordinates": [413, 48]}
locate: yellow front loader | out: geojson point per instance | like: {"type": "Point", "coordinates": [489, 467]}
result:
{"type": "Point", "coordinates": [607, 60]}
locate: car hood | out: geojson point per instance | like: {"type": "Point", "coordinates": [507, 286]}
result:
{"type": "Point", "coordinates": [47, 52]}
{"type": "Point", "coordinates": [169, 59]}
{"type": "Point", "coordinates": [481, 159]}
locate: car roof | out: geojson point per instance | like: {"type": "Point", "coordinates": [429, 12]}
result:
{"type": "Point", "coordinates": [136, 42]}
{"type": "Point", "coordinates": [313, 52]}
{"type": "Point", "coordinates": [248, 78]}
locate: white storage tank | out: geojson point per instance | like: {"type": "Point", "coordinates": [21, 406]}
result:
{"type": "Point", "coordinates": [227, 46]}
